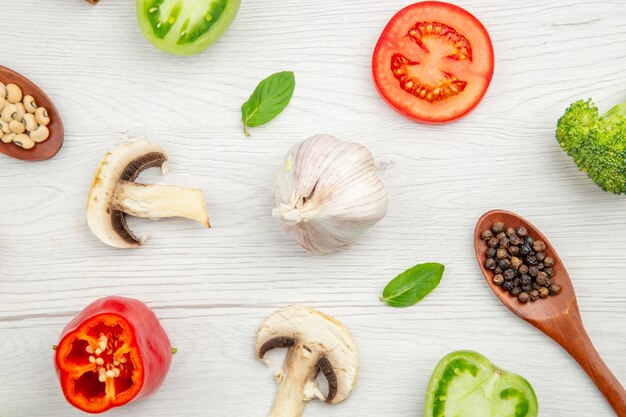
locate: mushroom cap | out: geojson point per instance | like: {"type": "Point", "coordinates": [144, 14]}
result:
{"type": "Point", "coordinates": [319, 333]}
{"type": "Point", "coordinates": [123, 163]}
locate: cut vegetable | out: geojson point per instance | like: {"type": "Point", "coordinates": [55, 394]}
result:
{"type": "Point", "coordinates": [115, 351]}
{"type": "Point", "coordinates": [114, 194]}
{"type": "Point", "coordinates": [466, 384]}
{"type": "Point", "coordinates": [185, 27]}
{"type": "Point", "coordinates": [433, 62]}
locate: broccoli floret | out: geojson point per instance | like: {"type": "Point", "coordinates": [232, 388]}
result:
{"type": "Point", "coordinates": [596, 143]}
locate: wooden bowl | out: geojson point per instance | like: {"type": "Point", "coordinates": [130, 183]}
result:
{"type": "Point", "coordinates": [43, 150]}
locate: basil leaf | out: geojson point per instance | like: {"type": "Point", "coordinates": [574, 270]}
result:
{"type": "Point", "coordinates": [412, 285]}
{"type": "Point", "coordinates": [269, 98]}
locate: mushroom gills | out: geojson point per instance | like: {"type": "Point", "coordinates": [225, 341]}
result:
{"type": "Point", "coordinates": [115, 194]}
{"type": "Point", "coordinates": [316, 344]}
{"type": "Point", "coordinates": [157, 201]}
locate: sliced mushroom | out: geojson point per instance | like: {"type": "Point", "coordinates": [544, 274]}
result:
{"type": "Point", "coordinates": [114, 194]}
{"type": "Point", "coordinates": [315, 343]}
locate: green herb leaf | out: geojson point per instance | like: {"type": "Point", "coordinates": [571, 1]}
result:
{"type": "Point", "coordinates": [268, 100]}
{"type": "Point", "coordinates": [412, 285]}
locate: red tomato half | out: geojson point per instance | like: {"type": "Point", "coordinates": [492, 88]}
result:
{"type": "Point", "coordinates": [433, 62]}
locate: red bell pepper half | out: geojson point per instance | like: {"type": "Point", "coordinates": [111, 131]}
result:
{"type": "Point", "coordinates": [113, 352]}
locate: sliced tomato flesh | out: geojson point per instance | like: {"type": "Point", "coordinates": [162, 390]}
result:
{"type": "Point", "coordinates": [433, 62]}
{"type": "Point", "coordinates": [99, 364]}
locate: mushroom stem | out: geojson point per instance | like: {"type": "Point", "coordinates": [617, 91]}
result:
{"type": "Point", "coordinates": [295, 381]}
{"type": "Point", "coordinates": [156, 201]}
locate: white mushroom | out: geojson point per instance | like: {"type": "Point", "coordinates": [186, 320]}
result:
{"type": "Point", "coordinates": [114, 194]}
{"type": "Point", "coordinates": [315, 343]}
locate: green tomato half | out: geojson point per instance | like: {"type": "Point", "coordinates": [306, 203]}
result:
{"type": "Point", "coordinates": [185, 27]}
{"type": "Point", "coordinates": [466, 384]}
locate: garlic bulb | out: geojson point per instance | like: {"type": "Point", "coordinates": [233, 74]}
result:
{"type": "Point", "coordinates": [327, 193]}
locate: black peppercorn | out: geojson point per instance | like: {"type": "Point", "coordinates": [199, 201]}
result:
{"type": "Point", "coordinates": [497, 227]}
{"type": "Point", "coordinates": [549, 272]}
{"type": "Point", "coordinates": [490, 263]}
{"type": "Point", "coordinates": [549, 261]}
{"type": "Point", "coordinates": [491, 253]}
{"type": "Point", "coordinates": [517, 281]}
{"type": "Point", "coordinates": [542, 279]}
{"type": "Point", "coordinates": [533, 271]}
{"type": "Point", "coordinates": [534, 295]}
{"type": "Point", "coordinates": [527, 287]}
{"type": "Point", "coordinates": [523, 269]}
{"type": "Point", "coordinates": [498, 270]}
{"type": "Point", "coordinates": [513, 250]}
{"type": "Point", "coordinates": [508, 274]}
{"type": "Point", "coordinates": [498, 279]}
{"type": "Point", "coordinates": [522, 231]}
{"type": "Point", "coordinates": [502, 254]}
{"type": "Point", "coordinates": [516, 263]}
{"type": "Point", "coordinates": [535, 286]}
{"type": "Point", "coordinates": [554, 289]}
{"type": "Point", "coordinates": [510, 232]}
{"type": "Point", "coordinates": [530, 240]}
{"type": "Point", "coordinates": [504, 263]}
{"type": "Point", "coordinates": [549, 282]}
{"type": "Point", "coordinates": [531, 260]}
{"type": "Point", "coordinates": [486, 235]}
{"type": "Point", "coordinates": [526, 279]}
{"type": "Point", "coordinates": [515, 291]}
{"type": "Point", "coordinates": [541, 266]}
{"type": "Point", "coordinates": [539, 246]}
{"type": "Point", "coordinates": [493, 242]}
{"type": "Point", "coordinates": [501, 236]}
{"type": "Point", "coordinates": [523, 297]}
{"type": "Point", "coordinates": [544, 292]}
{"type": "Point", "coordinates": [505, 243]}
{"type": "Point", "coordinates": [524, 249]}
{"type": "Point", "coordinates": [516, 240]}
{"type": "Point", "coordinates": [508, 285]}
{"type": "Point", "coordinates": [541, 256]}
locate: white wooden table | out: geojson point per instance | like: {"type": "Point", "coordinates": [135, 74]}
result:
{"type": "Point", "coordinates": [211, 289]}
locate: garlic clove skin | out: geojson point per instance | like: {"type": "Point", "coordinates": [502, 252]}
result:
{"type": "Point", "coordinates": [327, 193]}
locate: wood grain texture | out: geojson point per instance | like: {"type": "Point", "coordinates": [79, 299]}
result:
{"type": "Point", "coordinates": [213, 288]}
{"type": "Point", "coordinates": [558, 317]}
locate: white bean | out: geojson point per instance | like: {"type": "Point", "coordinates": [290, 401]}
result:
{"type": "Point", "coordinates": [29, 122]}
{"type": "Point", "coordinates": [4, 126]}
{"type": "Point", "coordinates": [29, 104]}
{"type": "Point", "coordinates": [8, 137]}
{"type": "Point", "coordinates": [14, 93]}
{"type": "Point", "coordinates": [8, 112]}
{"type": "Point", "coordinates": [3, 90]}
{"type": "Point", "coordinates": [21, 111]}
{"type": "Point", "coordinates": [23, 141]}
{"type": "Point", "coordinates": [39, 135]}
{"type": "Point", "coordinates": [41, 114]}
{"type": "Point", "coordinates": [17, 127]}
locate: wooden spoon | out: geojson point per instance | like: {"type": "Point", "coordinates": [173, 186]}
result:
{"type": "Point", "coordinates": [51, 146]}
{"type": "Point", "coordinates": [558, 316]}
